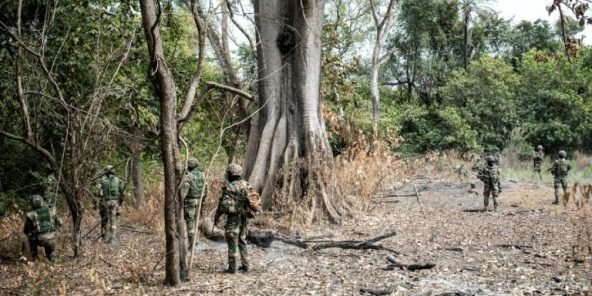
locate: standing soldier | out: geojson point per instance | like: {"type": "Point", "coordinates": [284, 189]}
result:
{"type": "Point", "coordinates": [538, 158]}
{"type": "Point", "coordinates": [235, 205]}
{"type": "Point", "coordinates": [490, 176]}
{"type": "Point", "coordinates": [110, 195]}
{"type": "Point", "coordinates": [50, 188]}
{"type": "Point", "coordinates": [193, 186]}
{"type": "Point", "coordinates": [559, 170]}
{"type": "Point", "coordinates": [40, 226]}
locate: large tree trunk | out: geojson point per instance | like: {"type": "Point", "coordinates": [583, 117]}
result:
{"type": "Point", "coordinates": [165, 88]}
{"type": "Point", "coordinates": [290, 125]}
{"type": "Point", "coordinates": [374, 91]}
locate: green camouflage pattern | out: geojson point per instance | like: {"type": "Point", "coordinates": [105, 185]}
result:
{"type": "Point", "coordinates": [490, 176]}
{"type": "Point", "coordinates": [50, 190]}
{"type": "Point", "coordinates": [537, 159]}
{"type": "Point", "coordinates": [235, 231]}
{"type": "Point", "coordinates": [560, 170]}
{"type": "Point", "coordinates": [40, 227]}
{"type": "Point", "coordinates": [190, 206]}
{"type": "Point", "coordinates": [110, 193]}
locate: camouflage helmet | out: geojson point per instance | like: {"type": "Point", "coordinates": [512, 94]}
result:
{"type": "Point", "coordinates": [490, 160]}
{"type": "Point", "coordinates": [36, 201]}
{"type": "Point", "coordinates": [234, 170]}
{"type": "Point", "coordinates": [192, 162]}
{"type": "Point", "coordinates": [562, 154]}
{"type": "Point", "coordinates": [109, 169]}
{"type": "Point", "coordinates": [539, 148]}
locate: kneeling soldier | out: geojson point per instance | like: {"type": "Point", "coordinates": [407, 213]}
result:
{"type": "Point", "coordinates": [40, 226]}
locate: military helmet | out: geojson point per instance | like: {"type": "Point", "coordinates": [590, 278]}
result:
{"type": "Point", "coordinates": [234, 169]}
{"type": "Point", "coordinates": [562, 154]}
{"type": "Point", "coordinates": [192, 162]}
{"type": "Point", "coordinates": [36, 201]}
{"type": "Point", "coordinates": [539, 148]}
{"type": "Point", "coordinates": [109, 169]}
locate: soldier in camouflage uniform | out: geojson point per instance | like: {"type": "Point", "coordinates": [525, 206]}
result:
{"type": "Point", "coordinates": [234, 204]}
{"type": "Point", "coordinates": [559, 170]}
{"type": "Point", "coordinates": [538, 158]}
{"type": "Point", "coordinates": [110, 196]}
{"type": "Point", "coordinates": [40, 226]}
{"type": "Point", "coordinates": [491, 182]}
{"type": "Point", "coordinates": [50, 188]}
{"type": "Point", "coordinates": [193, 186]}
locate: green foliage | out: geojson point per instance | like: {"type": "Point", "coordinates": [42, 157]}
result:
{"type": "Point", "coordinates": [485, 97]}
{"type": "Point", "coordinates": [555, 101]}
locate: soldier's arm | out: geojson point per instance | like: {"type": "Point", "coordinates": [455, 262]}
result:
{"type": "Point", "coordinates": [28, 229]}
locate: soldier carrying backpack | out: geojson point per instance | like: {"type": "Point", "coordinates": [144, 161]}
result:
{"type": "Point", "coordinates": [40, 226]}
{"type": "Point", "coordinates": [559, 170]}
{"type": "Point", "coordinates": [193, 186]}
{"type": "Point", "coordinates": [238, 202]}
{"type": "Point", "coordinates": [490, 176]}
{"type": "Point", "coordinates": [110, 197]}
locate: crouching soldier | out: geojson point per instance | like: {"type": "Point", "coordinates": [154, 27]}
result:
{"type": "Point", "coordinates": [193, 187]}
{"type": "Point", "coordinates": [110, 195]}
{"type": "Point", "coordinates": [490, 176]}
{"type": "Point", "coordinates": [238, 202]}
{"type": "Point", "coordinates": [40, 227]}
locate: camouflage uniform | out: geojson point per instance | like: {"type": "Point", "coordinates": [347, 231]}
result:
{"type": "Point", "coordinates": [538, 158]}
{"type": "Point", "coordinates": [490, 176]}
{"type": "Point", "coordinates": [40, 227]}
{"type": "Point", "coordinates": [110, 194]}
{"type": "Point", "coordinates": [50, 187]}
{"type": "Point", "coordinates": [234, 205]}
{"type": "Point", "coordinates": [559, 170]}
{"type": "Point", "coordinates": [193, 185]}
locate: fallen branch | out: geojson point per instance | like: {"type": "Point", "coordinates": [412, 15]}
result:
{"type": "Point", "coordinates": [355, 245]}
{"type": "Point", "coordinates": [519, 247]}
{"type": "Point", "coordinates": [410, 267]}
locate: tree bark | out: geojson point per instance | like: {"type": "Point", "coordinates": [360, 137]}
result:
{"type": "Point", "coordinates": [136, 171]}
{"type": "Point", "coordinates": [290, 125]}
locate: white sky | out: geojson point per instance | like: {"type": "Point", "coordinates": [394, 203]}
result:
{"type": "Point", "coordinates": [531, 10]}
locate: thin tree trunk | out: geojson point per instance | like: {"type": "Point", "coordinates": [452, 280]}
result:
{"type": "Point", "coordinates": [165, 88]}
{"type": "Point", "coordinates": [136, 171]}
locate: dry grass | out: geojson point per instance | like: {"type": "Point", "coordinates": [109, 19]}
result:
{"type": "Point", "coordinates": [580, 201]}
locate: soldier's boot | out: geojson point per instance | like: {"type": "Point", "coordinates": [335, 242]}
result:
{"type": "Point", "coordinates": [232, 266]}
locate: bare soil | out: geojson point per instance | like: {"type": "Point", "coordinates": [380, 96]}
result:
{"type": "Point", "coordinates": [523, 249]}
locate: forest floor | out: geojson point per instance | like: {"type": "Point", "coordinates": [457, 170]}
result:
{"type": "Point", "coordinates": [523, 249]}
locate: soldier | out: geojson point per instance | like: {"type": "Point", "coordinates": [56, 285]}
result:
{"type": "Point", "coordinates": [110, 197]}
{"type": "Point", "coordinates": [234, 204]}
{"type": "Point", "coordinates": [559, 170]}
{"type": "Point", "coordinates": [538, 158]}
{"type": "Point", "coordinates": [193, 186]}
{"type": "Point", "coordinates": [50, 188]}
{"type": "Point", "coordinates": [490, 176]}
{"type": "Point", "coordinates": [40, 226]}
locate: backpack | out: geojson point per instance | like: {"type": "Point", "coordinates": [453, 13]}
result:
{"type": "Point", "coordinates": [42, 219]}
{"type": "Point", "coordinates": [110, 187]}
{"type": "Point", "coordinates": [239, 198]}
{"type": "Point", "coordinates": [196, 184]}
{"type": "Point", "coordinates": [562, 168]}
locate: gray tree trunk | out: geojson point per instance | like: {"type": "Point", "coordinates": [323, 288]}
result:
{"type": "Point", "coordinates": [136, 171]}
{"type": "Point", "coordinates": [290, 125]}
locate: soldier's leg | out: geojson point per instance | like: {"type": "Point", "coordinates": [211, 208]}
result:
{"type": "Point", "coordinates": [494, 195]}
{"type": "Point", "coordinates": [556, 183]}
{"type": "Point", "coordinates": [189, 215]}
{"type": "Point", "coordinates": [243, 246]}
{"type": "Point", "coordinates": [564, 185]}
{"type": "Point", "coordinates": [486, 192]}
{"type": "Point", "coordinates": [231, 234]}
{"type": "Point", "coordinates": [33, 248]}
{"type": "Point", "coordinates": [49, 247]}
{"type": "Point", "coordinates": [112, 221]}
{"type": "Point", "coordinates": [103, 212]}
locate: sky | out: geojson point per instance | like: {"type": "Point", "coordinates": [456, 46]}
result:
{"type": "Point", "coordinates": [531, 10]}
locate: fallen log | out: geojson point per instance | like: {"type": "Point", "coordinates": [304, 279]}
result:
{"type": "Point", "coordinates": [377, 292]}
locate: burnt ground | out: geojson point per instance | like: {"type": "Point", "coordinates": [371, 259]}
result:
{"type": "Point", "coordinates": [523, 249]}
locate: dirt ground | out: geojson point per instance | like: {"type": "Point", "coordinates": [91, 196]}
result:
{"type": "Point", "coordinates": [523, 249]}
